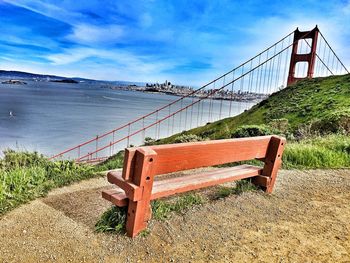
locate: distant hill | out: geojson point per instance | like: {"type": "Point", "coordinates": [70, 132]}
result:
{"type": "Point", "coordinates": [5, 74]}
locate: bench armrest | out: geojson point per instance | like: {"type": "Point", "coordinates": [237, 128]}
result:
{"type": "Point", "coordinates": [132, 191]}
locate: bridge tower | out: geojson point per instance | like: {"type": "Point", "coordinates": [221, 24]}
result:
{"type": "Point", "coordinates": [308, 57]}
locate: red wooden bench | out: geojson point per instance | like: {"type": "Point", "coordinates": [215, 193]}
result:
{"type": "Point", "coordinates": [136, 189]}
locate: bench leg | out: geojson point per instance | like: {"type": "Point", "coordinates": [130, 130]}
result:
{"type": "Point", "coordinates": [137, 217]}
{"type": "Point", "coordinates": [139, 211]}
{"type": "Point", "coordinates": [273, 162]}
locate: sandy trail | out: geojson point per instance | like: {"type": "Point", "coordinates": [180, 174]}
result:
{"type": "Point", "coordinates": [306, 219]}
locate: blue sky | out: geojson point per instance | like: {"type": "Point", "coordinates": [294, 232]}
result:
{"type": "Point", "coordinates": [186, 42]}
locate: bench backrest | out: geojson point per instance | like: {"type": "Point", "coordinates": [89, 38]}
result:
{"type": "Point", "coordinates": [184, 156]}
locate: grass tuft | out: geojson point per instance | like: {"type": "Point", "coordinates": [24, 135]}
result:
{"type": "Point", "coordinates": [162, 209]}
{"type": "Point", "coordinates": [145, 232]}
{"type": "Point", "coordinates": [222, 192]}
{"type": "Point", "coordinates": [241, 187]}
{"type": "Point", "coordinates": [244, 186]}
{"type": "Point", "coordinates": [113, 220]}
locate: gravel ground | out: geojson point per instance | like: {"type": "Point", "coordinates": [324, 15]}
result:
{"type": "Point", "coordinates": [306, 219]}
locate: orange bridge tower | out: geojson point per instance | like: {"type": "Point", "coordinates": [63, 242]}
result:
{"type": "Point", "coordinates": [308, 57]}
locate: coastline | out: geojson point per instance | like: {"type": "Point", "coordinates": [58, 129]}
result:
{"type": "Point", "coordinates": [249, 97]}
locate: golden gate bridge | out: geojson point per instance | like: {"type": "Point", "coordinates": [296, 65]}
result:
{"type": "Point", "coordinates": [298, 55]}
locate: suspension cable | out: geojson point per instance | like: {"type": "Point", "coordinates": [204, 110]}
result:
{"type": "Point", "coordinates": [325, 40]}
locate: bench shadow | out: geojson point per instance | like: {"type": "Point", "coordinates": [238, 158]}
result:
{"type": "Point", "coordinates": [85, 206]}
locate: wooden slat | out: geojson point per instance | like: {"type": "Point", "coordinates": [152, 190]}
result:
{"type": "Point", "coordinates": [185, 156]}
{"type": "Point", "coordinates": [186, 183]}
{"type": "Point", "coordinates": [196, 181]}
{"type": "Point", "coordinates": [116, 196]}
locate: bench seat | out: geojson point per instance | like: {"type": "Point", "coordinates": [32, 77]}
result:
{"type": "Point", "coordinates": [170, 186]}
{"type": "Point", "coordinates": [116, 196]}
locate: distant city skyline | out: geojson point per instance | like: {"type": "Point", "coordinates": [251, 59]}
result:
{"type": "Point", "coordinates": [184, 42]}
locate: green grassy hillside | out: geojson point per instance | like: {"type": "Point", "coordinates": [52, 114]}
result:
{"type": "Point", "coordinates": [320, 105]}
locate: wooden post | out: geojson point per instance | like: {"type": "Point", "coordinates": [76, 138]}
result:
{"type": "Point", "coordinates": [129, 163]}
{"type": "Point", "coordinates": [143, 175]}
{"type": "Point", "coordinates": [273, 161]}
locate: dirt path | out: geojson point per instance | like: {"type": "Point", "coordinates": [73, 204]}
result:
{"type": "Point", "coordinates": [307, 219]}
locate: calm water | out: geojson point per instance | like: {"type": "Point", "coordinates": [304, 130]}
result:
{"type": "Point", "coordinates": [50, 117]}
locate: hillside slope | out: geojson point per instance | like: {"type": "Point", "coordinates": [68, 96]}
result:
{"type": "Point", "coordinates": [323, 103]}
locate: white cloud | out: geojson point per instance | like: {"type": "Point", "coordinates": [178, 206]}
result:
{"type": "Point", "coordinates": [90, 34]}
{"type": "Point", "coordinates": [121, 63]}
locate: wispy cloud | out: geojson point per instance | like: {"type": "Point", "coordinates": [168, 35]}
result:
{"type": "Point", "coordinates": [122, 63]}
{"type": "Point", "coordinates": [91, 34]}
{"type": "Point", "coordinates": [48, 9]}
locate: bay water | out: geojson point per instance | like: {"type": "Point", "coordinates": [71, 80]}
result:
{"type": "Point", "coordinates": [50, 117]}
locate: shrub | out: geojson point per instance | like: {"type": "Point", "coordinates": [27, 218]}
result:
{"type": "Point", "coordinates": [252, 130]}
{"type": "Point", "coordinates": [280, 125]}
{"type": "Point", "coordinates": [188, 138]}
{"type": "Point", "coordinates": [207, 133]}
{"type": "Point", "coordinates": [13, 159]}
{"type": "Point", "coordinates": [149, 141]}
{"type": "Point", "coordinates": [337, 122]}
{"type": "Point", "coordinates": [334, 123]}
{"type": "Point", "coordinates": [305, 131]}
